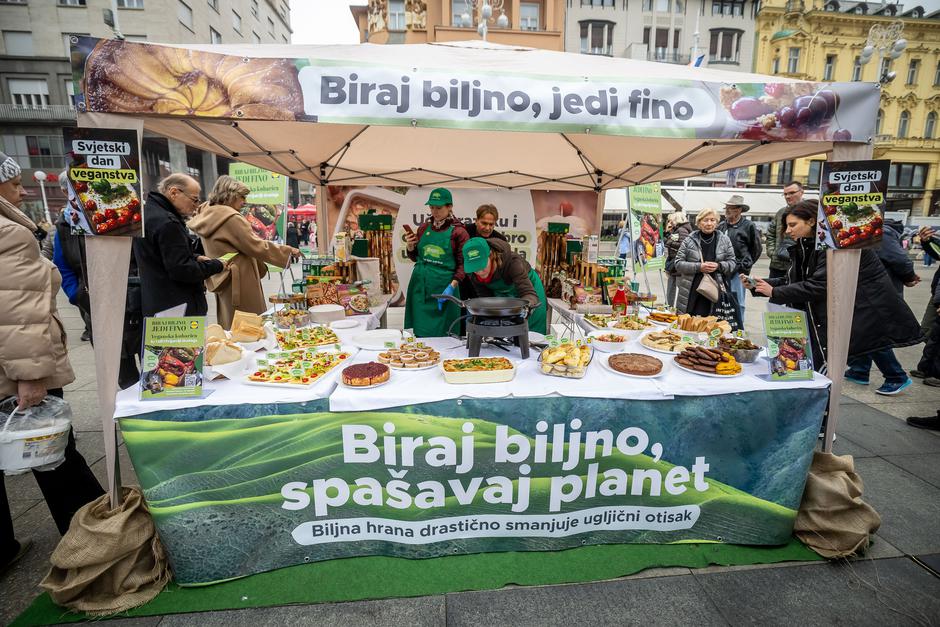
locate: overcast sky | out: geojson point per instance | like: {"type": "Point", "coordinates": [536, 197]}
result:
{"type": "Point", "coordinates": [330, 22]}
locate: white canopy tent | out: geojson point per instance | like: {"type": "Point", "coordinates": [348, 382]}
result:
{"type": "Point", "coordinates": [475, 115]}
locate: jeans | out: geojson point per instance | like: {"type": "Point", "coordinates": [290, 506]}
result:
{"type": "Point", "coordinates": [928, 260]}
{"type": "Point", "coordinates": [887, 363]}
{"type": "Point", "coordinates": [671, 288]}
{"type": "Point", "coordinates": [738, 289]}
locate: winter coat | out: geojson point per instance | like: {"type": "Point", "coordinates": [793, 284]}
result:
{"type": "Point", "coordinates": [170, 274]}
{"type": "Point", "coordinates": [778, 242]}
{"type": "Point", "coordinates": [292, 236]}
{"type": "Point", "coordinates": [745, 239]}
{"type": "Point", "coordinates": [689, 259]}
{"type": "Point", "coordinates": [224, 230]}
{"type": "Point", "coordinates": [514, 271]}
{"type": "Point", "coordinates": [674, 241]}
{"type": "Point", "coordinates": [895, 259]}
{"type": "Point", "coordinates": [881, 319]}
{"type": "Point", "coordinates": [32, 338]}
{"type": "Point", "coordinates": [623, 241]}
{"type": "Point", "coordinates": [69, 258]}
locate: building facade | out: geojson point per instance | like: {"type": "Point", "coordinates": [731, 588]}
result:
{"type": "Point", "coordinates": [36, 90]}
{"type": "Point", "coordinates": [664, 30]}
{"type": "Point", "coordinates": [530, 23]}
{"type": "Point", "coordinates": [822, 40]}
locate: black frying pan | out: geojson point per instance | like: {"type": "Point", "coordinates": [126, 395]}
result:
{"type": "Point", "coordinates": [490, 306]}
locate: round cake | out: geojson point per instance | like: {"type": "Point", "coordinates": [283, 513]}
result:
{"type": "Point", "coordinates": [364, 375]}
{"type": "Point", "coordinates": [635, 364]}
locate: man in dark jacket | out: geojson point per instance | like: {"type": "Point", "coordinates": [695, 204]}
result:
{"type": "Point", "coordinates": [929, 366]}
{"type": "Point", "coordinates": [484, 226]}
{"type": "Point", "coordinates": [900, 271]}
{"type": "Point", "coordinates": [69, 257]}
{"type": "Point", "coordinates": [171, 274]}
{"type": "Point", "coordinates": [680, 230]}
{"type": "Point", "coordinates": [777, 240]}
{"type": "Point", "coordinates": [745, 238]}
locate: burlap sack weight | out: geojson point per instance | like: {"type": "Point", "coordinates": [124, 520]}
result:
{"type": "Point", "coordinates": [833, 519]}
{"type": "Point", "coordinates": [109, 560]}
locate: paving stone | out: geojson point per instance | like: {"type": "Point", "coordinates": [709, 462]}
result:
{"type": "Point", "coordinates": [909, 506]}
{"type": "Point", "coordinates": [413, 612]}
{"type": "Point", "coordinates": [84, 404]}
{"type": "Point", "coordinates": [883, 434]}
{"type": "Point", "coordinates": [874, 592]}
{"type": "Point", "coordinates": [925, 466]}
{"type": "Point", "coordinates": [663, 601]}
{"type": "Point", "coordinates": [932, 562]}
{"type": "Point", "coordinates": [845, 446]}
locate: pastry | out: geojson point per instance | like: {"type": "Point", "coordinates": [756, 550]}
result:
{"type": "Point", "coordinates": [296, 367]}
{"type": "Point", "coordinates": [221, 352]}
{"type": "Point", "coordinates": [412, 355]}
{"type": "Point", "coordinates": [635, 364]}
{"type": "Point", "coordinates": [709, 360]}
{"type": "Point", "coordinates": [566, 360]}
{"type": "Point", "coordinates": [364, 375]}
{"type": "Point", "coordinates": [291, 339]}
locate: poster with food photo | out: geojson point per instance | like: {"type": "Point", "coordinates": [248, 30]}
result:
{"type": "Point", "coordinates": [265, 207]}
{"type": "Point", "coordinates": [104, 177]}
{"type": "Point", "coordinates": [172, 359]}
{"type": "Point", "coordinates": [852, 204]}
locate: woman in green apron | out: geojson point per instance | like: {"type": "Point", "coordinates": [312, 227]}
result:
{"type": "Point", "coordinates": [497, 271]}
{"type": "Point", "coordinates": [436, 250]}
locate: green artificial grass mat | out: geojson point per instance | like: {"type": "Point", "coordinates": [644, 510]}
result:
{"type": "Point", "coordinates": [363, 578]}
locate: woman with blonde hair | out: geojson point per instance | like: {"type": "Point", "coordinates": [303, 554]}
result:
{"type": "Point", "coordinates": [225, 230]}
{"type": "Point", "coordinates": [705, 251]}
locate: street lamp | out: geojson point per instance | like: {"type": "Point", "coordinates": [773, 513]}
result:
{"type": "Point", "coordinates": [886, 40]}
{"type": "Point", "coordinates": [484, 8]}
{"type": "Point", "coordinates": [40, 176]}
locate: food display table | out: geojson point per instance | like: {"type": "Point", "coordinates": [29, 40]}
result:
{"type": "Point", "coordinates": [249, 479]}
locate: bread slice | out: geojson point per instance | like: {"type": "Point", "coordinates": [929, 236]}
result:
{"type": "Point", "coordinates": [222, 352]}
{"type": "Point", "coordinates": [247, 327]}
{"type": "Point", "coordinates": [215, 333]}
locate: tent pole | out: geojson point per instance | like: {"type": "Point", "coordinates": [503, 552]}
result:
{"type": "Point", "coordinates": [323, 218]}
{"type": "Point", "coordinates": [841, 282]}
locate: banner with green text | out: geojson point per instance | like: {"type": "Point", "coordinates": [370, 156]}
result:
{"type": "Point", "coordinates": [646, 225]}
{"type": "Point", "coordinates": [241, 489]}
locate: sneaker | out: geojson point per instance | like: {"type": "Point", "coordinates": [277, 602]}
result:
{"type": "Point", "coordinates": [25, 545]}
{"type": "Point", "coordinates": [86, 336]}
{"type": "Point", "coordinates": [927, 422]}
{"type": "Point", "coordinates": [933, 382]}
{"type": "Point", "coordinates": [890, 389]}
{"type": "Point", "coordinates": [917, 374]}
{"type": "Point", "coordinates": [855, 378]}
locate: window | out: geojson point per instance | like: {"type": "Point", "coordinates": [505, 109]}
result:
{"type": "Point", "coordinates": [271, 27]}
{"type": "Point", "coordinates": [907, 175]}
{"type": "Point", "coordinates": [930, 126]}
{"type": "Point", "coordinates": [793, 61]}
{"type": "Point", "coordinates": [912, 71]}
{"type": "Point", "coordinates": [70, 91]}
{"type": "Point", "coordinates": [597, 37]}
{"type": "Point", "coordinates": [857, 69]}
{"type": "Point", "coordinates": [396, 15]}
{"type": "Point", "coordinates": [214, 36]}
{"type": "Point", "coordinates": [775, 66]}
{"type": "Point", "coordinates": [184, 14]}
{"type": "Point", "coordinates": [29, 92]}
{"type": "Point", "coordinates": [762, 174]}
{"type": "Point", "coordinates": [885, 67]}
{"type": "Point", "coordinates": [589, 3]}
{"type": "Point", "coordinates": [255, 38]}
{"type": "Point", "coordinates": [215, 5]}
{"type": "Point", "coordinates": [457, 9]}
{"type": "Point", "coordinates": [815, 169]}
{"type": "Point", "coordinates": [725, 45]}
{"type": "Point", "coordinates": [830, 67]}
{"type": "Point", "coordinates": [728, 7]}
{"type": "Point", "coordinates": [130, 4]}
{"type": "Point", "coordinates": [35, 151]}
{"type": "Point", "coordinates": [878, 119]}
{"type": "Point", "coordinates": [71, 3]}
{"type": "Point", "coordinates": [662, 6]}
{"type": "Point", "coordinates": [237, 22]}
{"type": "Point", "coordinates": [135, 37]}
{"type": "Point", "coordinates": [254, 8]}
{"type": "Point", "coordinates": [529, 15]}
{"type": "Point", "coordinates": [903, 123]}
{"type": "Point", "coordinates": [785, 172]}
{"type": "Point", "coordinates": [18, 43]}
{"type": "Point", "coordinates": [936, 75]}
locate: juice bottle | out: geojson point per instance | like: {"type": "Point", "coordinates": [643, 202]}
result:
{"type": "Point", "coordinates": [619, 301]}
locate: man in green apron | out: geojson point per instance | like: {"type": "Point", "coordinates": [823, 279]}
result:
{"type": "Point", "coordinates": [497, 271]}
{"type": "Point", "coordinates": [436, 251]}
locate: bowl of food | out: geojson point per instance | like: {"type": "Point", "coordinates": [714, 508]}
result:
{"type": "Point", "coordinates": [287, 318]}
{"type": "Point", "coordinates": [744, 351]}
{"type": "Point", "coordinates": [612, 341]}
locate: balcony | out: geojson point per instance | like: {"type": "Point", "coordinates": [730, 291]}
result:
{"type": "Point", "coordinates": [717, 59]}
{"type": "Point", "coordinates": [665, 55]}
{"type": "Point", "coordinates": [50, 113]}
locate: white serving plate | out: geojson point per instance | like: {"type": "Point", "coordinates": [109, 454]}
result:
{"type": "Point", "coordinates": [707, 374]}
{"type": "Point", "coordinates": [344, 324]}
{"type": "Point", "coordinates": [607, 366]}
{"type": "Point", "coordinates": [375, 340]}
{"type": "Point", "coordinates": [489, 376]}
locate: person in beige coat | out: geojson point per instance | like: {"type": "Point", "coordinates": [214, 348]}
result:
{"type": "Point", "coordinates": [34, 361]}
{"type": "Point", "coordinates": [224, 230]}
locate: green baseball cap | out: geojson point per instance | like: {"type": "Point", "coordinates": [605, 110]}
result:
{"type": "Point", "coordinates": [476, 254]}
{"type": "Point", "coordinates": [440, 197]}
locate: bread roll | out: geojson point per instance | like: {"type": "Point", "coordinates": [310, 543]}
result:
{"type": "Point", "coordinates": [215, 333]}
{"type": "Point", "coordinates": [222, 352]}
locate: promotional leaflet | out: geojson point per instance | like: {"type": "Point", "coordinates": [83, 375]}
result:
{"type": "Point", "coordinates": [852, 204]}
{"type": "Point", "coordinates": [646, 225]}
{"type": "Point", "coordinates": [788, 346]}
{"type": "Point", "coordinates": [104, 181]}
{"type": "Point", "coordinates": [265, 207]}
{"type": "Point", "coordinates": [171, 362]}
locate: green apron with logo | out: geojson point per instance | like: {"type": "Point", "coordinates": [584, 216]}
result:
{"type": "Point", "coordinates": [537, 316]}
{"type": "Point", "coordinates": [432, 273]}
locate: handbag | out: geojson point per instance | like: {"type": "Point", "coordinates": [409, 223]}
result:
{"type": "Point", "coordinates": [727, 307]}
{"type": "Point", "coordinates": [708, 288]}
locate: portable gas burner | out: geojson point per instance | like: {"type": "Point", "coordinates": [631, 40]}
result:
{"type": "Point", "coordinates": [498, 321]}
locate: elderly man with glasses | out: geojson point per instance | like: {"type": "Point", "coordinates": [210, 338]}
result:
{"type": "Point", "coordinates": [777, 240]}
{"type": "Point", "coordinates": [171, 272]}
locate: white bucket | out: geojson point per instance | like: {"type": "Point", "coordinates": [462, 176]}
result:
{"type": "Point", "coordinates": [30, 448]}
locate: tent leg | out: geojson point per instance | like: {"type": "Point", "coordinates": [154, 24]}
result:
{"type": "Point", "coordinates": [841, 282]}
{"type": "Point", "coordinates": [323, 221]}
{"type": "Point", "coordinates": [108, 260]}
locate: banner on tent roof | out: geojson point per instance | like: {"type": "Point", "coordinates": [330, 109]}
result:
{"type": "Point", "coordinates": [137, 78]}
